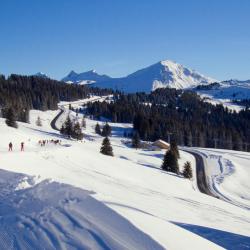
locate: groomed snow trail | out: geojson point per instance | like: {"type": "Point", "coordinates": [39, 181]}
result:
{"type": "Point", "coordinates": [227, 174]}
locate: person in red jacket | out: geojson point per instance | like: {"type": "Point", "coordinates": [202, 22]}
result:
{"type": "Point", "coordinates": [10, 146]}
{"type": "Point", "coordinates": [22, 146]}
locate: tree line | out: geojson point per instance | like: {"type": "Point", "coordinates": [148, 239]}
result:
{"type": "Point", "coordinates": [181, 115]}
{"type": "Point", "coordinates": [19, 94]}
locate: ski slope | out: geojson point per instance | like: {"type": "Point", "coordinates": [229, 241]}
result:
{"type": "Point", "coordinates": [150, 208]}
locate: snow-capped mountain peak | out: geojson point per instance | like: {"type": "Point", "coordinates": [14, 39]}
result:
{"type": "Point", "coordinates": [72, 73]}
{"type": "Point", "coordinates": [163, 74]}
{"type": "Point", "coordinates": [87, 77]}
{"type": "Point", "coordinates": [41, 74]}
{"type": "Point", "coordinates": [177, 76]}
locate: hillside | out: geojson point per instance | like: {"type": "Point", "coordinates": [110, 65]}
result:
{"type": "Point", "coordinates": [226, 91]}
{"type": "Point", "coordinates": [152, 208]}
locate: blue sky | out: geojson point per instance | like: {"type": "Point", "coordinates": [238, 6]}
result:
{"type": "Point", "coordinates": [117, 37]}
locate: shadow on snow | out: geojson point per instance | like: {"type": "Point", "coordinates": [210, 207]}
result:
{"type": "Point", "coordinates": [224, 239]}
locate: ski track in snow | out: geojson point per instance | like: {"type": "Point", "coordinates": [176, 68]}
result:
{"type": "Point", "coordinates": [163, 207]}
{"type": "Point", "coordinates": [221, 168]}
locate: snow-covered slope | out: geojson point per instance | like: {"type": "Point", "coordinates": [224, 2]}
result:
{"type": "Point", "coordinates": [235, 82]}
{"type": "Point", "coordinates": [228, 90]}
{"type": "Point", "coordinates": [160, 75]}
{"type": "Point", "coordinates": [85, 78]}
{"type": "Point", "coordinates": [162, 207]}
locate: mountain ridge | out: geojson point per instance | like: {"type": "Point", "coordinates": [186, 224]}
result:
{"type": "Point", "coordinates": [87, 77]}
{"type": "Point", "coordinates": [162, 74]}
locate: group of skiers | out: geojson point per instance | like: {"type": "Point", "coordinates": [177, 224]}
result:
{"type": "Point", "coordinates": [40, 142]}
{"type": "Point", "coordinates": [11, 146]}
{"type": "Point", "coordinates": [44, 142]}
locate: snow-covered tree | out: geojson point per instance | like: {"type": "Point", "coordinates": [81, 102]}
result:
{"type": "Point", "coordinates": [174, 148]}
{"type": "Point", "coordinates": [170, 162]}
{"type": "Point", "coordinates": [106, 148]}
{"type": "Point", "coordinates": [67, 127]}
{"type": "Point", "coordinates": [187, 172]}
{"type": "Point", "coordinates": [10, 118]}
{"type": "Point", "coordinates": [38, 121]}
{"type": "Point", "coordinates": [83, 123]}
{"type": "Point", "coordinates": [98, 129]}
{"type": "Point", "coordinates": [77, 131]}
{"type": "Point", "coordinates": [106, 130]}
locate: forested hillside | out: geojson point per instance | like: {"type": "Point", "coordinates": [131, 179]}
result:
{"type": "Point", "coordinates": [22, 93]}
{"type": "Point", "coordinates": [181, 115]}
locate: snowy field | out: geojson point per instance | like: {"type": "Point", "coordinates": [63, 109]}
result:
{"type": "Point", "coordinates": [71, 195]}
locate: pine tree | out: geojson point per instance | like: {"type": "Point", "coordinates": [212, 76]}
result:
{"type": "Point", "coordinates": [62, 130]}
{"type": "Point", "coordinates": [39, 122]}
{"type": "Point", "coordinates": [98, 129]}
{"type": "Point", "coordinates": [187, 172]}
{"type": "Point", "coordinates": [83, 123]}
{"type": "Point", "coordinates": [10, 118]}
{"type": "Point", "coordinates": [170, 162]}
{"type": "Point", "coordinates": [106, 130]}
{"type": "Point", "coordinates": [174, 149]}
{"type": "Point", "coordinates": [77, 131]}
{"type": "Point", "coordinates": [67, 127]}
{"type": "Point", "coordinates": [136, 140]}
{"type": "Point", "coordinates": [23, 115]}
{"type": "Point", "coordinates": [106, 148]}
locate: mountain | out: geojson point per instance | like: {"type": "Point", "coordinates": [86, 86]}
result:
{"type": "Point", "coordinates": [41, 74]}
{"type": "Point", "coordinates": [88, 77]}
{"type": "Point", "coordinates": [160, 75]}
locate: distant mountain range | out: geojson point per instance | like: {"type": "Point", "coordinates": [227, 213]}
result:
{"type": "Point", "coordinates": [88, 77]}
{"type": "Point", "coordinates": [164, 74]}
{"type": "Point", "coordinates": [160, 75]}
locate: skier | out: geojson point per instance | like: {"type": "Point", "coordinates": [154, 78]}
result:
{"type": "Point", "coordinates": [10, 146]}
{"type": "Point", "coordinates": [22, 146]}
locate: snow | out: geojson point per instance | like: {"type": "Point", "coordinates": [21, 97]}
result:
{"type": "Point", "coordinates": [52, 215]}
{"type": "Point", "coordinates": [228, 91]}
{"type": "Point", "coordinates": [160, 75]}
{"type": "Point", "coordinates": [150, 208]}
{"type": "Point", "coordinates": [227, 103]}
{"type": "Point", "coordinates": [228, 174]}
